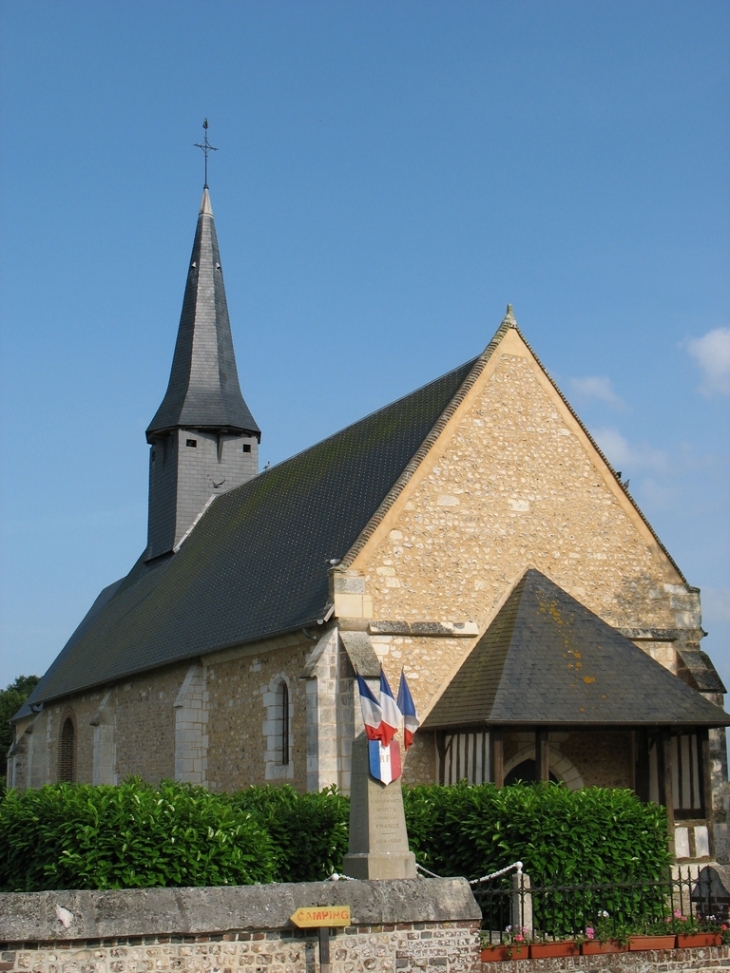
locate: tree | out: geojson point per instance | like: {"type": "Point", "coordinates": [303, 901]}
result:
{"type": "Point", "coordinates": [11, 699]}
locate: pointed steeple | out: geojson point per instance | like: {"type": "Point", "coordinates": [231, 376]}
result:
{"type": "Point", "coordinates": [203, 391]}
{"type": "Point", "coordinates": [204, 440]}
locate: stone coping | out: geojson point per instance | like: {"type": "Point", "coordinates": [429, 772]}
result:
{"type": "Point", "coordinates": [82, 915]}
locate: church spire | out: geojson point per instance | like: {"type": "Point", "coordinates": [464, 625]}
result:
{"type": "Point", "coordinates": [204, 392]}
{"type": "Point", "coordinates": [204, 440]}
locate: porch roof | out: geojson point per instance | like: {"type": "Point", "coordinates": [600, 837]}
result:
{"type": "Point", "coordinates": [547, 660]}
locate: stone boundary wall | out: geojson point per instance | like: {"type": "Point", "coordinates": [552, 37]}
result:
{"type": "Point", "coordinates": [406, 925]}
{"type": "Point", "coordinates": [376, 949]}
{"type": "Point", "coordinates": [400, 926]}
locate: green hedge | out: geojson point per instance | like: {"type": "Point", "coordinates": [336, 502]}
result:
{"type": "Point", "coordinates": [309, 831]}
{"type": "Point", "coordinates": [594, 837]}
{"type": "Point", "coordinates": [133, 836]}
{"type": "Point", "coordinates": [561, 836]}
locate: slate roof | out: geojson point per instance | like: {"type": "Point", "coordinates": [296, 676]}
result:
{"type": "Point", "coordinates": [203, 391]}
{"type": "Point", "coordinates": [256, 563]}
{"type": "Point", "coordinates": [547, 660]}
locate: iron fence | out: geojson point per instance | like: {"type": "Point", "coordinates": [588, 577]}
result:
{"type": "Point", "coordinates": [512, 907]}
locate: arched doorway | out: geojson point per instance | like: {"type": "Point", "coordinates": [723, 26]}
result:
{"type": "Point", "coordinates": [561, 768]}
{"type": "Point", "coordinates": [526, 772]}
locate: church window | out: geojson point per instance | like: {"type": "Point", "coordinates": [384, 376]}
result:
{"type": "Point", "coordinates": [247, 447]}
{"type": "Point", "coordinates": [284, 695]}
{"type": "Point", "coordinates": [279, 755]}
{"type": "Point", "coordinates": [67, 752]}
{"type": "Point", "coordinates": [191, 442]}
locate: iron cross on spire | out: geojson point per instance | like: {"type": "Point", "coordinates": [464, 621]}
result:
{"type": "Point", "coordinates": [206, 147]}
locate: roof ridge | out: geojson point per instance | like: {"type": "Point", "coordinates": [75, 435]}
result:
{"type": "Point", "coordinates": [344, 429]}
{"type": "Point", "coordinates": [436, 430]}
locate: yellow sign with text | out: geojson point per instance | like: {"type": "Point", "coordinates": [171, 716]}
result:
{"type": "Point", "coordinates": [313, 916]}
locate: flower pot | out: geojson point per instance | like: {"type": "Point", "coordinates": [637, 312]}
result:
{"type": "Point", "coordinates": [504, 951]}
{"type": "Point", "coordinates": [685, 940]}
{"type": "Point", "coordinates": [594, 947]}
{"type": "Point", "coordinates": [652, 942]}
{"type": "Point", "coordinates": [548, 950]}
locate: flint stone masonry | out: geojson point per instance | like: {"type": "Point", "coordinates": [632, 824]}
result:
{"type": "Point", "coordinates": [645, 961]}
{"type": "Point", "coordinates": [514, 440]}
{"type": "Point", "coordinates": [408, 948]}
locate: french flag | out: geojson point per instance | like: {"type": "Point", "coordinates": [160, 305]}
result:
{"type": "Point", "coordinates": [408, 709]}
{"type": "Point", "coordinates": [372, 713]}
{"type": "Point", "coordinates": [391, 714]}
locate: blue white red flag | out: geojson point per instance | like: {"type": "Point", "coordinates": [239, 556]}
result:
{"type": "Point", "coordinates": [391, 715]}
{"type": "Point", "coordinates": [385, 764]}
{"type": "Point", "coordinates": [408, 709]}
{"type": "Point", "coordinates": [372, 714]}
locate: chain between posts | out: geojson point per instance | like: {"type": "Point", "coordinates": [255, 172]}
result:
{"type": "Point", "coordinates": [518, 866]}
{"type": "Point", "coordinates": [502, 871]}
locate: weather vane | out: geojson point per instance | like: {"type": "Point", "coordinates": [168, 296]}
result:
{"type": "Point", "coordinates": [206, 147]}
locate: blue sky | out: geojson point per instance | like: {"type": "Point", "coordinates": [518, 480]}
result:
{"type": "Point", "coordinates": [389, 176]}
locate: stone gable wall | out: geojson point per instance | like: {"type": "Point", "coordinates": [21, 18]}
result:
{"type": "Point", "coordinates": [514, 483]}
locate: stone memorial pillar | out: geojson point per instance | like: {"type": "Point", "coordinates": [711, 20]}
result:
{"type": "Point", "coordinates": [378, 837]}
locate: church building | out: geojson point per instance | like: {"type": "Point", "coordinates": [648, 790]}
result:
{"type": "Point", "coordinates": [471, 534]}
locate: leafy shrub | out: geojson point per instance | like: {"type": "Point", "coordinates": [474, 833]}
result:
{"type": "Point", "coordinates": [132, 836]}
{"type": "Point", "coordinates": [309, 831]}
{"type": "Point", "coordinates": [561, 836]}
{"type": "Point", "coordinates": [593, 836]}
{"type": "Point", "coordinates": [135, 835]}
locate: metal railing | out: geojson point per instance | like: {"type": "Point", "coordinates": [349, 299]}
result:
{"type": "Point", "coordinates": [513, 908]}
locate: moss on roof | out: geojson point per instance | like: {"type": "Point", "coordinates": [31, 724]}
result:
{"type": "Point", "coordinates": [547, 660]}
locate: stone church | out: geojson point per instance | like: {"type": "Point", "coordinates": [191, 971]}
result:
{"type": "Point", "coordinates": [471, 533]}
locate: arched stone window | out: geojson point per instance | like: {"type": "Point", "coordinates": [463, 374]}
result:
{"type": "Point", "coordinates": [277, 729]}
{"type": "Point", "coordinates": [67, 752]}
{"type": "Point", "coordinates": [284, 693]}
